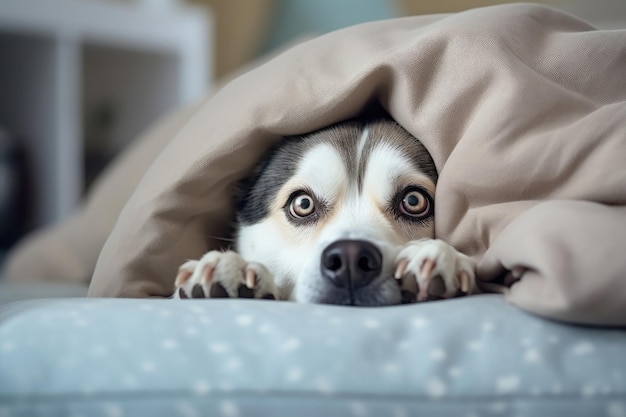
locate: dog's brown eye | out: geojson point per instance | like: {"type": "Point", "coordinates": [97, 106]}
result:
{"type": "Point", "coordinates": [302, 205]}
{"type": "Point", "coordinates": [415, 203]}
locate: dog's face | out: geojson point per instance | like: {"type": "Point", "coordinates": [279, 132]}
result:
{"type": "Point", "coordinates": [327, 213]}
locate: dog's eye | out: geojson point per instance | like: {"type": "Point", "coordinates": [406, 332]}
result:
{"type": "Point", "coordinates": [301, 205]}
{"type": "Point", "coordinates": [415, 203]}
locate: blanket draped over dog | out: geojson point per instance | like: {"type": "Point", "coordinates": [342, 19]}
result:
{"type": "Point", "coordinates": [522, 108]}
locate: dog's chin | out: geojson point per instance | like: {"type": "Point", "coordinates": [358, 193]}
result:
{"type": "Point", "coordinates": [382, 291]}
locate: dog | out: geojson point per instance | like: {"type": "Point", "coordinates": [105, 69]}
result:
{"type": "Point", "coordinates": [343, 215]}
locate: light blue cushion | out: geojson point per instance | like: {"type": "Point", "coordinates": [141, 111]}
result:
{"type": "Point", "coordinates": [475, 356]}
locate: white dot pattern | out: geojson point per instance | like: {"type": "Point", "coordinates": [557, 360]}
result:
{"type": "Point", "coordinates": [229, 409]}
{"type": "Point", "coordinates": [507, 384]}
{"type": "Point", "coordinates": [615, 409]}
{"type": "Point", "coordinates": [212, 357]}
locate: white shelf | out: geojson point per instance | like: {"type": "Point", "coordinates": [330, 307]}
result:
{"type": "Point", "coordinates": [61, 58]}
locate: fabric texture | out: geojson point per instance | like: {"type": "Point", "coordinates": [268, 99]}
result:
{"type": "Point", "coordinates": [521, 107]}
{"type": "Point", "coordinates": [473, 356]}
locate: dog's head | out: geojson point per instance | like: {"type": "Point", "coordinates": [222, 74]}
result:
{"type": "Point", "coordinates": [328, 212]}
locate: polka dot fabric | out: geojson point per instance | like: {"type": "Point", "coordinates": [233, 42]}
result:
{"type": "Point", "coordinates": [471, 357]}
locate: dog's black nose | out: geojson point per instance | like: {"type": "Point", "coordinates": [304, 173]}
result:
{"type": "Point", "coordinates": [351, 263]}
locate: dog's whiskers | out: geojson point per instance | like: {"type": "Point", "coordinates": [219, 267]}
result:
{"type": "Point", "coordinates": [224, 239]}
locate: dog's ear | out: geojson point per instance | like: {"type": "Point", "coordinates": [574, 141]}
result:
{"type": "Point", "coordinates": [245, 189]}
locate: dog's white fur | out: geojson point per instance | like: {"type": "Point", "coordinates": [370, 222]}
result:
{"type": "Point", "coordinates": [276, 257]}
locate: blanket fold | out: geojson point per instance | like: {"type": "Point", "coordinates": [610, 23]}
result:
{"type": "Point", "coordinates": [522, 108]}
{"type": "Point", "coordinates": [565, 262]}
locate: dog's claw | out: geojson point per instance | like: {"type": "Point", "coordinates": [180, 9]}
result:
{"type": "Point", "coordinates": [464, 282]}
{"type": "Point", "coordinates": [250, 278]}
{"type": "Point", "coordinates": [224, 275]}
{"type": "Point", "coordinates": [401, 268]}
{"type": "Point", "coordinates": [207, 273]}
{"type": "Point", "coordinates": [182, 277]}
{"type": "Point", "coordinates": [423, 289]}
{"type": "Point", "coordinates": [427, 268]}
{"type": "Point", "coordinates": [438, 270]}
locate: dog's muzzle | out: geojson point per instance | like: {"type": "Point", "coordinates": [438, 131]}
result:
{"type": "Point", "coordinates": [351, 264]}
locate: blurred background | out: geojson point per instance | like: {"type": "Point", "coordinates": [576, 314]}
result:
{"type": "Point", "coordinates": [80, 79]}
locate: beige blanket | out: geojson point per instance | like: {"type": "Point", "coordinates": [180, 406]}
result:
{"type": "Point", "coordinates": [522, 108]}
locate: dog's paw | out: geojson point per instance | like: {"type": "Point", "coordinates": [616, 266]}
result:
{"type": "Point", "coordinates": [439, 270]}
{"type": "Point", "coordinates": [224, 275]}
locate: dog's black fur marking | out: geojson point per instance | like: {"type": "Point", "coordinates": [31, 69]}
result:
{"type": "Point", "coordinates": [256, 191]}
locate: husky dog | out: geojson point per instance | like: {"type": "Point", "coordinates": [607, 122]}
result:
{"type": "Point", "coordinates": [343, 215]}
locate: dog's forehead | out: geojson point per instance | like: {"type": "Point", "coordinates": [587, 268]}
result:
{"type": "Point", "coordinates": [381, 146]}
{"type": "Point", "coordinates": [323, 170]}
